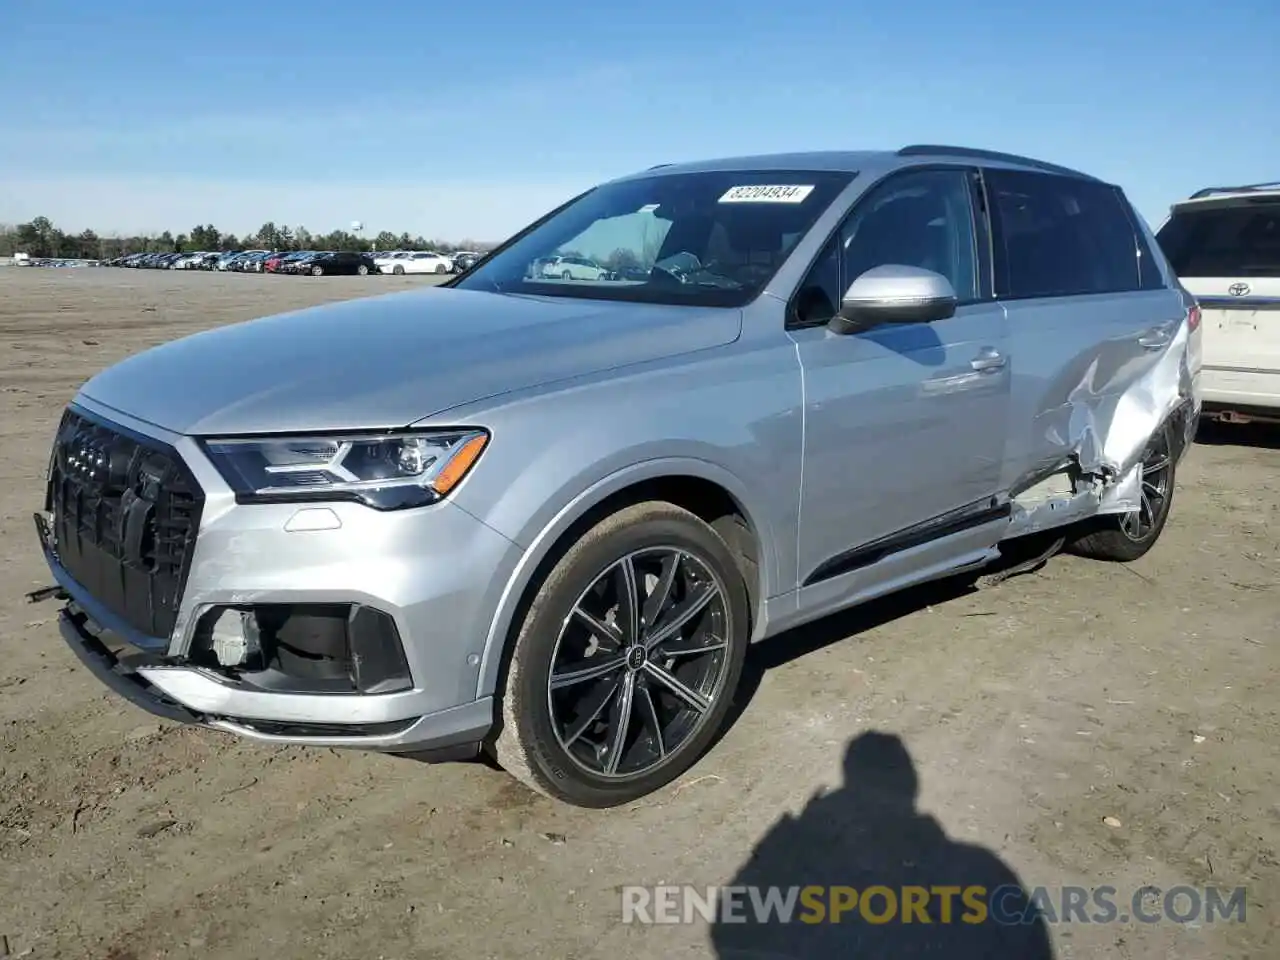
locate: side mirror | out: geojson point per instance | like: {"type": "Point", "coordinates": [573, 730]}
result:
{"type": "Point", "coordinates": [894, 293]}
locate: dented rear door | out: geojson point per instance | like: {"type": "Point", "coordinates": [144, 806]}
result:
{"type": "Point", "coordinates": [1083, 331]}
{"type": "Point", "coordinates": [1075, 361]}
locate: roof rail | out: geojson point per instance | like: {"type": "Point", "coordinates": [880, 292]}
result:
{"type": "Point", "coordinates": [659, 166]}
{"type": "Point", "coordinates": [1246, 188]}
{"type": "Point", "coordinates": [936, 150]}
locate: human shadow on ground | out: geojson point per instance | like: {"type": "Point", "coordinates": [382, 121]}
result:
{"type": "Point", "coordinates": [866, 834]}
{"type": "Point", "coordinates": [846, 625]}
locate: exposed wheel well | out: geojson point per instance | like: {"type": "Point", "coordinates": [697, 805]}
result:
{"type": "Point", "coordinates": [707, 500]}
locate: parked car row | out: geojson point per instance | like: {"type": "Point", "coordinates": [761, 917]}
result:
{"type": "Point", "coordinates": [313, 262]}
{"type": "Point", "coordinates": [22, 261]}
{"type": "Point", "coordinates": [160, 261]}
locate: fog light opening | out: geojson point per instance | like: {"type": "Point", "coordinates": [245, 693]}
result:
{"type": "Point", "coordinates": [303, 648]}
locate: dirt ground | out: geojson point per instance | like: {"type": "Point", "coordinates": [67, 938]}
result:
{"type": "Point", "coordinates": [1089, 724]}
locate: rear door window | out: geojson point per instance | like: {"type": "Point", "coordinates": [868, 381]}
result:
{"type": "Point", "coordinates": [1058, 236]}
{"type": "Point", "coordinates": [1234, 239]}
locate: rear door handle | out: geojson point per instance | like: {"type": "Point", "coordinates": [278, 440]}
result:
{"type": "Point", "coordinates": [988, 359]}
{"type": "Point", "coordinates": [1155, 338]}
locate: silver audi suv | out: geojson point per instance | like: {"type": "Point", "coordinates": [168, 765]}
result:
{"type": "Point", "coordinates": [544, 518]}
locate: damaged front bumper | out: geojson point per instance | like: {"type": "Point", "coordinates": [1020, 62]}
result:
{"type": "Point", "coordinates": [446, 735]}
{"type": "Point", "coordinates": [117, 668]}
{"type": "Point", "coordinates": [171, 686]}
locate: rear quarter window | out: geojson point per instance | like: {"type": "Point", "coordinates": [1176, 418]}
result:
{"type": "Point", "coordinates": [1237, 239]}
{"type": "Point", "coordinates": [1058, 236]}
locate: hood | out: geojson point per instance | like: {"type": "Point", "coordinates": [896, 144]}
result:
{"type": "Point", "coordinates": [385, 362]}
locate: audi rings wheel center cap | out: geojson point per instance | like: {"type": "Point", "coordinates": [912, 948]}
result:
{"type": "Point", "coordinates": [636, 657]}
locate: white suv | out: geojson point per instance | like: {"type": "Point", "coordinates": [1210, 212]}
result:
{"type": "Point", "coordinates": [1224, 244]}
{"type": "Point", "coordinates": [574, 268]}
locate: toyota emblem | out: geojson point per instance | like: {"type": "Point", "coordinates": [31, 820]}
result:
{"type": "Point", "coordinates": [1238, 289]}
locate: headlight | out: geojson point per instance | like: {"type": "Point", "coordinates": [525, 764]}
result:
{"type": "Point", "coordinates": [386, 471]}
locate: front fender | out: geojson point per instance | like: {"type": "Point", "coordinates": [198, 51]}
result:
{"type": "Point", "coordinates": [544, 540]}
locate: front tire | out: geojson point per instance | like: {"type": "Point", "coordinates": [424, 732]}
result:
{"type": "Point", "coordinates": [625, 664]}
{"type": "Point", "coordinates": [1125, 537]}
{"type": "Point", "coordinates": [398, 271]}
{"type": "Point", "coordinates": [317, 271]}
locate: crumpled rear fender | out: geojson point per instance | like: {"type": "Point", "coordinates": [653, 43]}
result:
{"type": "Point", "coordinates": [1100, 416]}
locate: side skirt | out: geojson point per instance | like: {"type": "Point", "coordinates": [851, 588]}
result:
{"type": "Point", "coordinates": [970, 548]}
{"type": "Point", "coordinates": [956, 521]}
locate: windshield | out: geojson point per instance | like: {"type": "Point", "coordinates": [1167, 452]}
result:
{"type": "Point", "coordinates": [1236, 240]}
{"type": "Point", "coordinates": [706, 239]}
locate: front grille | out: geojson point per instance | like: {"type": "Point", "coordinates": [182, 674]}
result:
{"type": "Point", "coordinates": [126, 511]}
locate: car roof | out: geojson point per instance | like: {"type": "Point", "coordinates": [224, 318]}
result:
{"type": "Point", "coordinates": [1230, 196]}
{"type": "Point", "coordinates": [857, 161]}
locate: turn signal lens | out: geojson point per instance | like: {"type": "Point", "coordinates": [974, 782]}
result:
{"type": "Point", "coordinates": [459, 464]}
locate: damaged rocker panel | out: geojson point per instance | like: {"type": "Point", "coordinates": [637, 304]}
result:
{"type": "Point", "coordinates": [972, 515]}
{"type": "Point", "coordinates": [1055, 495]}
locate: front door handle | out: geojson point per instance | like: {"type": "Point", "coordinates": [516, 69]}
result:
{"type": "Point", "coordinates": [988, 360]}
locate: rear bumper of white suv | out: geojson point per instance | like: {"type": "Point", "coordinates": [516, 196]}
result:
{"type": "Point", "coordinates": [1248, 391]}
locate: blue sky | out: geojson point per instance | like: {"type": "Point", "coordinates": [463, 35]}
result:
{"type": "Point", "coordinates": [467, 120]}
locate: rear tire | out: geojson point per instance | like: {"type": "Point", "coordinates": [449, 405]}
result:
{"type": "Point", "coordinates": [570, 741]}
{"type": "Point", "coordinates": [441, 268]}
{"type": "Point", "coordinates": [1124, 537]}
{"type": "Point", "coordinates": [362, 270]}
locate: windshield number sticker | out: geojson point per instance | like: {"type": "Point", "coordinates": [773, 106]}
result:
{"type": "Point", "coordinates": [765, 193]}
